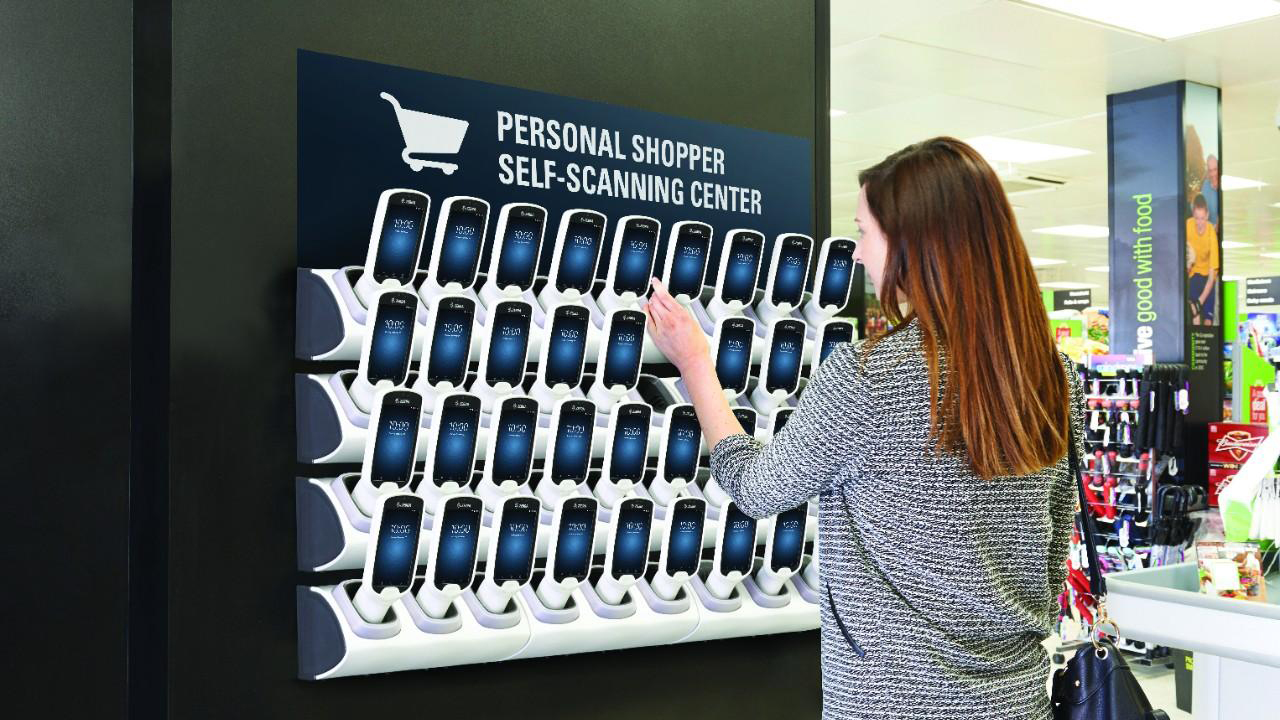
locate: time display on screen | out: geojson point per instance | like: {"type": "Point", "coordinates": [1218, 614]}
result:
{"type": "Point", "coordinates": [738, 552]}
{"type": "Point", "coordinates": [832, 335]}
{"type": "Point", "coordinates": [792, 272]}
{"type": "Point", "coordinates": [522, 239]}
{"type": "Point", "coordinates": [622, 352]}
{"type": "Point", "coordinates": [456, 550]}
{"type": "Point", "coordinates": [746, 418]}
{"type": "Point", "coordinates": [395, 557]}
{"type": "Point", "coordinates": [733, 356]}
{"type": "Point", "coordinates": [396, 439]}
{"type": "Point", "coordinates": [508, 344]}
{"type": "Point", "coordinates": [391, 347]}
{"type": "Point", "coordinates": [400, 240]}
{"type": "Point", "coordinates": [460, 246]}
{"type": "Point", "coordinates": [689, 260]}
{"type": "Point", "coordinates": [837, 275]}
{"type": "Point", "coordinates": [635, 257]}
{"type": "Point", "coordinates": [566, 346]}
{"type": "Point", "coordinates": [451, 342]}
{"type": "Point", "coordinates": [631, 539]}
{"type": "Point", "coordinates": [630, 446]}
{"type": "Point", "coordinates": [684, 440]}
{"type": "Point", "coordinates": [742, 267]}
{"type": "Point", "coordinates": [788, 539]}
{"type": "Point", "coordinates": [783, 372]}
{"type": "Point", "coordinates": [684, 546]}
{"type": "Point", "coordinates": [575, 540]}
{"type": "Point", "coordinates": [513, 446]}
{"type": "Point", "coordinates": [517, 539]}
{"type": "Point", "coordinates": [455, 456]}
{"type": "Point", "coordinates": [572, 452]}
{"type": "Point", "coordinates": [580, 252]}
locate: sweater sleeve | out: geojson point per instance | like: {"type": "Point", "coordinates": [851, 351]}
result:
{"type": "Point", "coordinates": [823, 435]}
{"type": "Point", "coordinates": [1063, 497]}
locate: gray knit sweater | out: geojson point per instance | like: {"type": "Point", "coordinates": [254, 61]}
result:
{"type": "Point", "coordinates": [946, 582]}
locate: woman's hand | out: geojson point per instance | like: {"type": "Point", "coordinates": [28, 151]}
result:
{"type": "Point", "coordinates": [675, 332]}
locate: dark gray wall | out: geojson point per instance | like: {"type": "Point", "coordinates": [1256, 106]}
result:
{"type": "Point", "coordinates": [64, 353]}
{"type": "Point", "coordinates": [232, 643]}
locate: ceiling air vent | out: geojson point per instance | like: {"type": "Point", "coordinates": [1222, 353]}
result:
{"type": "Point", "coordinates": [1024, 184]}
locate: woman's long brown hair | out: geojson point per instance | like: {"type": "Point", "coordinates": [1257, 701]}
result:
{"type": "Point", "coordinates": [956, 258]}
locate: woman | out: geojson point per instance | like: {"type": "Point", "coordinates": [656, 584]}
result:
{"type": "Point", "coordinates": [938, 453]}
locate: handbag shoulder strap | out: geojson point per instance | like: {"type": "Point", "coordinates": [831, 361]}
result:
{"type": "Point", "coordinates": [1088, 530]}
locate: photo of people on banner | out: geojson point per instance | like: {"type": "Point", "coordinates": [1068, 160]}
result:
{"type": "Point", "coordinates": [1204, 203]}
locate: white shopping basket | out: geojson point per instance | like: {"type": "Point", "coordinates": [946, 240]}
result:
{"type": "Point", "coordinates": [427, 134]}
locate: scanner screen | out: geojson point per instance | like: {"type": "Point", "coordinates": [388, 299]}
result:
{"type": "Point", "coordinates": [689, 262]}
{"type": "Point", "coordinates": [513, 559]}
{"type": "Point", "coordinates": [622, 354]}
{"type": "Point", "coordinates": [575, 540]}
{"type": "Point", "coordinates": [520, 244]}
{"type": "Point", "coordinates": [455, 455]}
{"type": "Point", "coordinates": [837, 275]}
{"type": "Point", "coordinates": [684, 549]}
{"type": "Point", "coordinates": [508, 344]}
{"type": "Point", "coordinates": [834, 334]}
{"type": "Point", "coordinates": [739, 551]}
{"type": "Point", "coordinates": [513, 448]}
{"type": "Point", "coordinates": [743, 267]}
{"type": "Point", "coordinates": [783, 372]}
{"type": "Point", "coordinates": [733, 357]}
{"type": "Point", "coordinates": [635, 257]}
{"type": "Point", "coordinates": [397, 437]}
{"type": "Point", "coordinates": [395, 558]}
{"type": "Point", "coordinates": [459, 533]}
{"type": "Point", "coordinates": [460, 247]}
{"type": "Point", "coordinates": [566, 345]}
{"type": "Point", "coordinates": [399, 242]}
{"type": "Point", "coordinates": [573, 442]}
{"type": "Point", "coordinates": [391, 348]}
{"type": "Point", "coordinates": [631, 539]}
{"type": "Point", "coordinates": [451, 344]}
{"type": "Point", "coordinates": [790, 275]}
{"type": "Point", "coordinates": [579, 253]}
{"type": "Point", "coordinates": [684, 439]}
{"type": "Point", "coordinates": [788, 538]}
{"type": "Point", "coordinates": [630, 447]}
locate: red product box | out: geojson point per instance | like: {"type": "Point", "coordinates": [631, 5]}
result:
{"type": "Point", "coordinates": [1233, 443]}
{"type": "Point", "coordinates": [1219, 477]}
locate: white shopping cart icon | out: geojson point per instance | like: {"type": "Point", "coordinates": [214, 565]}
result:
{"type": "Point", "coordinates": [427, 134]}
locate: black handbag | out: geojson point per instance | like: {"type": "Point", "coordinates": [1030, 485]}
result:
{"type": "Point", "coordinates": [1097, 683]}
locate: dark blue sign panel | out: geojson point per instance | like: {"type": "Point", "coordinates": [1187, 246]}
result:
{"type": "Point", "coordinates": [364, 127]}
{"type": "Point", "coordinates": [1148, 267]}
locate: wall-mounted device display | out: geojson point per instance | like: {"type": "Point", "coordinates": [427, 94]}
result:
{"type": "Point", "coordinates": [447, 352]}
{"type": "Point", "coordinates": [735, 551]}
{"type": "Point", "coordinates": [389, 455]}
{"type": "Point", "coordinates": [517, 246]}
{"type": "Point", "coordinates": [618, 366]}
{"type": "Point", "coordinates": [687, 253]}
{"type": "Point", "coordinates": [834, 279]}
{"type": "Point", "coordinates": [739, 271]}
{"type": "Point", "coordinates": [451, 453]}
{"type": "Point", "coordinates": [570, 550]}
{"type": "Point", "coordinates": [732, 343]}
{"type": "Point", "coordinates": [504, 355]}
{"type": "Point", "coordinates": [778, 419]}
{"type": "Point", "coordinates": [635, 245]}
{"type": "Point", "coordinates": [388, 346]}
{"type": "Point", "coordinates": [510, 561]}
{"type": "Point", "coordinates": [459, 240]}
{"type": "Point", "coordinates": [788, 274]}
{"type": "Point", "coordinates": [626, 451]}
{"type": "Point", "coordinates": [627, 554]}
{"type": "Point", "coordinates": [830, 335]}
{"type": "Point", "coordinates": [451, 561]}
{"type": "Point", "coordinates": [780, 367]}
{"type": "Point", "coordinates": [747, 419]}
{"type": "Point", "coordinates": [395, 243]}
{"type": "Point", "coordinates": [509, 457]}
{"type": "Point", "coordinates": [573, 426]}
{"type": "Point", "coordinates": [810, 572]}
{"type": "Point", "coordinates": [564, 348]}
{"type": "Point", "coordinates": [784, 549]}
{"type": "Point", "coordinates": [714, 493]}
{"type": "Point", "coordinates": [391, 558]}
{"type": "Point", "coordinates": [681, 550]}
{"type": "Point", "coordinates": [678, 453]}
{"type": "Point", "coordinates": [577, 254]}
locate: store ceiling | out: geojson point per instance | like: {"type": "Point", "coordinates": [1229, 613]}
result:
{"type": "Point", "coordinates": [913, 69]}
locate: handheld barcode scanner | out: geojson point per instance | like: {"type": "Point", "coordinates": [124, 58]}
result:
{"type": "Point", "coordinates": [832, 284]}
{"type": "Point", "coordinates": [510, 562]}
{"type": "Point", "coordinates": [686, 265]}
{"type": "Point", "coordinates": [627, 554]}
{"type": "Point", "coordinates": [735, 552]}
{"type": "Point", "coordinates": [731, 344]}
{"type": "Point", "coordinates": [635, 245]}
{"type": "Point", "coordinates": [451, 563]}
{"type": "Point", "coordinates": [446, 354]}
{"type": "Point", "coordinates": [810, 572]}
{"type": "Point", "coordinates": [626, 452]}
{"type": "Point", "coordinates": [678, 453]}
{"type": "Point", "coordinates": [517, 245]}
{"type": "Point", "coordinates": [618, 364]}
{"type": "Point", "coordinates": [788, 273]}
{"type": "Point", "coordinates": [738, 274]}
{"type": "Point", "coordinates": [395, 243]}
{"type": "Point", "coordinates": [712, 490]}
{"type": "Point", "coordinates": [569, 552]}
{"type": "Point", "coordinates": [784, 549]}
{"type": "Point", "coordinates": [509, 457]}
{"type": "Point", "coordinates": [392, 447]}
{"type": "Point", "coordinates": [564, 351]}
{"type": "Point", "coordinates": [780, 367]}
{"type": "Point", "coordinates": [573, 426]}
{"type": "Point", "coordinates": [504, 352]}
{"type": "Point", "coordinates": [392, 555]}
{"type": "Point", "coordinates": [830, 335]}
{"type": "Point", "coordinates": [778, 419]}
{"type": "Point", "coordinates": [575, 258]}
{"type": "Point", "coordinates": [681, 553]}
{"type": "Point", "coordinates": [388, 346]}
{"type": "Point", "coordinates": [459, 239]}
{"type": "Point", "coordinates": [451, 446]}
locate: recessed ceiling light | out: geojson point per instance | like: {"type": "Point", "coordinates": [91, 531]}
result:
{"type": "Point", "coordinates": [1164, 19]}
{"type": "Point", "coordinates": [1081, 231]}
{"type": "Point", "coordinates": [1066, 285]}
{"type": "Point", "coordinates": [1276, 204]}
{"type": "Point", "coordinates": [1007, 150]}
{"type": "Point", "coordinates": [837, 113]}
{"type": "Point", "coordinates": [1098, 268]}
{"type": "Point", "coordinates": [1231, 182]}
{"type": "Point", "coordinates": [1233, 245]}
{"type": "Point", "coordinates": [1045, 262]}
